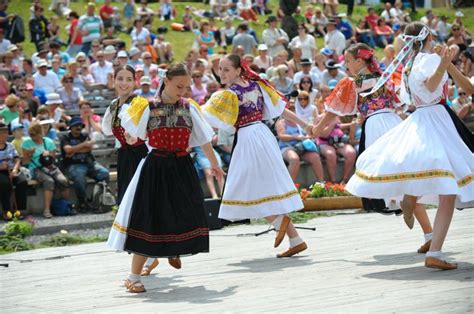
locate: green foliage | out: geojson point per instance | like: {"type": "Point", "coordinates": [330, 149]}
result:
{"type": "Point", "coordinates": [327, 190]}
{"type": "Point", "coordinates": [65, 240]}
{"type": "Point", "coordinates": [18, 228]}
{"type": "Point", "coordinates": [9, 244]}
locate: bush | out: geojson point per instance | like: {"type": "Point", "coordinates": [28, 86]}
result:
{"type": "Point", "coordinates": [18, 228]}
{"type": "Point", "coordinates": [9, 244]}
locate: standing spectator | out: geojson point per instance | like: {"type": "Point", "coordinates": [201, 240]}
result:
{"type": "Point", "coordinates": [76, 151]}
{"type": "Point", "coordinates": [166, 10]}
{"type": "Point", "coordinates": [275, 38]}
{"type": "Point", "coordinates": [129, 12]}
{"type": "Point", "coordinates": [38, 27]}
{"type": "Point", "coordinates": [45, 80]}
{"type": "Point", "coordinates": [92, 122]}
{"type": "Point", "coordinates": [384, 33]}
{"type": "Point", "coordinates": [145, 89]}
{"type": "Point", "coordinates": [71, 96]}
{"type": "Point", "coordinates": [11, 179]}
{"type": "Point", "coordinates": [343, 26]}
{"type": "Point", "coordinates": [306, 72]}
{"type": "Point", "coordinates": [332, 72]}
{"type": "Point", "coordinates": [40, 152]}
{"type": "Point", "coordinates": [319, 22]}
{"type": "Point", "coordinates": [442, 29]}
{"type": "Point", "coordinates": [102, 70]}
{"type": "Point", "coordinates": [76, 45]}
{"type": "Point", "coordinates": [263, 60]}
{"type": "Point", "coordinates": [364, 34]}
{"type": "Point", "coordinates": [90, 26]}
{"type": "Point", "coordinates": [334, 39]}
{"type": "Point", "coordinates": [139, 33]}
{"type": "Point", "coordinates": [244, 39]}
{"type": "Point", "coordinates": [330, 7]}
{"type": "Point", "coordinates": [304, 41]}
{"type": "Point", "coordinates": [227, 32]}
{"type": "Point", "coordinates": [10, 112]}
{"type": "Point", "coordinates": [390, 14]}
{"type": "Point", "coordinates": [204, 36]}
{"type": "Point", "coordinates": [106, 13]}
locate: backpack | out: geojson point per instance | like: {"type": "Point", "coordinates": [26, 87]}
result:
{"type": "Point", "coordinates": [62, 207]}
{"type": "Point", "coordinates": [102, 198]}
{"type": "Point", "coordinates": [16, 32]}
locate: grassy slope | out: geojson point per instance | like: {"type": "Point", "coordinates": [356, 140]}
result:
{"type": "Point", "coordinates": [182, 42]}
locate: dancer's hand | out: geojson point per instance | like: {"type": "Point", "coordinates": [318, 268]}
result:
{"type": "Point", "coordinates": [217, 172]}
{"type": "Point", "coordinates": [447, 55]}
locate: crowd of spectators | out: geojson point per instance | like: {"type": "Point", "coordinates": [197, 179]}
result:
{"type": "Point", "coordinates": [48, 98]}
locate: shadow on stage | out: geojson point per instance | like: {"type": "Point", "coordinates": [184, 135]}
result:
{"type": "Point", "coordinates": [169, 290]}
{"type": "Point", "coordinates": [407, 258]}
{"type": "Point", "coordinates": [269, 264]}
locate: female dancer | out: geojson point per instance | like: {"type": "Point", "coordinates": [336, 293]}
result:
{"type": "Point", "coordinates": [162, 212]}
{"type": "Point", "coordinates": [258, 183]}
{"type": "Point", "coordinates": [414, 159]}
{"type": "Point", "coordinates": [378, 110]}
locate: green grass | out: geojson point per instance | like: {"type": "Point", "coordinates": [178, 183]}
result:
{"type": "Point", "coordinates": [182, 42]}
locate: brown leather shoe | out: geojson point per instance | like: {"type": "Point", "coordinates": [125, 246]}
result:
{"type": "Point", "coordinates": [282, 232]}
{"type": "Point", "coordinates": [432, 262]}
{"type": "Point", "coordinates": [293, 250]}
{"type": "Point", "coordinates": [407, 208]}
{"type": "Point", "coordinates": [147, 269]}
{"type": "Point", "coordinates": [175, 262]}
{"type": "Point", "coordinates": [424, 248]}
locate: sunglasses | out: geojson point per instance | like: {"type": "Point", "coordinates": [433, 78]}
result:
{"type": "Point", "coordinates": [68, 81]}
{"type": "Point", "coordinates": [462, 94]}
{"type": "Point", "coordinates": [95, 46]}
{"type": "Point", "coordinates": [198, 76]}
{"type": "Point", "coordinates": [303, 98]}
{"type": "Point", "coordinates": [147, 58]}
{"type": "Point", "coordinates": [21, 90]}
{"type": "Point", "coordinates": [456, 29]}
{"type": "Point", "coordinates": [81, 60]}
{"type": "Point", "coordinates": [305, 82]}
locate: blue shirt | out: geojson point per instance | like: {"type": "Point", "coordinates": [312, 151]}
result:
{"type": "Point", "coordinates": [345, 28]}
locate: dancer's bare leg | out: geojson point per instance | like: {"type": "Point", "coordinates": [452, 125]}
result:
{"type": "Point", "coordinates": [422, 218]}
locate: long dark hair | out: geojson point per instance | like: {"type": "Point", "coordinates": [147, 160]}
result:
{"type": "Point", "coordinates": [125, 67]}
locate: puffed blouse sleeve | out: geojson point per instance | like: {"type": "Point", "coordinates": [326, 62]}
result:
{"type": "Point", "coordinates": [222, 110]}
{"type": "Point", "coordinates": [343, 99]}
{"type": "Point", "coordinates": [274, 105]}
{"type": "Point", "coordinates": [107, 122]}
{"type": "Point", "coordinates": [134, 117]}
{"type": "Point", "coordinates": [202, 132]}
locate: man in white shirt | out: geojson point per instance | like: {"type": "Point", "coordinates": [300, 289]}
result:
{"type": "Point", "coordinates": [306, 72]}
{"type": "Point", "coordinates": [101, 69]}
{"type": "Point", "coordinates": [334, 39]}
{"type": "Point", "coordinates": [275, 38]}
{"type": "Point", "coordinates": [390, 14]}
{"type": "Point", "coordinates": [46, 80]}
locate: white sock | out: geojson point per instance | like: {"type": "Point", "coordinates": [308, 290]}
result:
{"type": "Point", "coordinates": [133, 278]}
{"type": "Point", "coordinates": [277, 222]}
{"type": "Point", "coordinates": [435, 254]}
{"type": "Point", "coordinates": [428, 236]}
{"type": "Point", "coordinates": [295, 241]}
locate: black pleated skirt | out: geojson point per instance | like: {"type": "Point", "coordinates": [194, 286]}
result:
{"type": "Point", "coordinates": [128, 159]}
{"type": "Point", "coordinates": [167, 216]}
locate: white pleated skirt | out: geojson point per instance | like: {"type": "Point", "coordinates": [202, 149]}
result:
{"type": "Point", "coordinates": [423, 156]}
{"type": "Point", "coordinates": [118, 232]}
{"type": "Point", "coordinates": [258, 183]}
{"type": "Point", "coordinates": [378, 124]}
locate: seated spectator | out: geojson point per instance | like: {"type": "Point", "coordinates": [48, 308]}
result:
{"type": "Point", "coordinates": [334, 39]}
{"type": "Point", "coordinates": [343, 26]}
{"type": "Point", "coordinates": [122, 57]}
{"type": "Point", "coordinates": [281, 81]}
{"type": "Point", "coordinates": [86, 77]}
{"type": "Point", "coordinates": [147, 63]}
{"type": "Point", "coordinates": [145, 13]}
{"type": "Point", "coordinates": [46, 80]}
{"type": "Point", "coordinates": [383, 33]}
{"type": "Point", "coordinates": [145, 89]}
{"type": "Point", "coordinates": [298, 16]}
{"type": "Point", "coordinates": [306, 65]}
{"type": "Point", "coordinates": [306, 86]}
{"type": "Point", "coordinates": [389, 56]}
{"type": "Point", "coordinates": [106, 13]}
{"type": "Point", "coordinates": [364, 34]}
{"type": "Point", "coordinates": [204, 36]}
{"type": "Point", "coordinates": [188, 20]}
{"type": "Point", "coordinates": [24, 116]}
{"type": "Point", "coordinates": [305, 41]}
{"type": "Point", "coordinates": [139, 32]}
{"type": "Point", "coordinates": [442, 29]}
{"type": "Point", "coordinates": [227, 32]}
{"type": "Point", "coordinates": [10, 112]}
{"type": "Point", "coordinates": [319, 65]}
{"type": "Point", "coordinates": [54, 50]}
{"type": "Point", "coordinates": [134, 55]}
{"type": "Point", "coordinates": [263, 60]}
{"type": "Point", "coordinates": [53, 104]}
{"type": "Point", "coordinates": [39, 152]}
{"type": "Point", "coordinates": [463, 104]}
{"type": "Point", "coordinates": [244, 8]}
{"type": "Point", "coordinates": [212, 87]}
{"type": "Point", "coordinates": [198, 88]}
{"type": "Point", "coordinates": [7, 63]}
{"type": "Point", "coordinates": [60, 7]}
{"type": "Point", "coordinates": [71, 96]}
{"type": "Point", "coordinates": [110, 53]}
{"type": "Point", "coordinates": [47, 127]}
{"type": "Point", "coordinates": [11, 178]}
{"type": "Point", "coordinates": [305, 105]}
{"type": "Point", "coordinates": [319, 22]}
{"type": "Point", "coordinates": [213, 68]}
{"type": "Point", "coordinates": [294, 65]}
{"type": "Point", "coordinates": [92, 122]}
{"type": "Point", "coordinates": [465, 60]}
{"type": "Point", "coordinates": [102, 70]}
{"type": "Point", "coordinates": [290, 140]}
{"type": "Point", "coordinates": [56, 67]}
{"type": "Point", "coordinates": [18, 132]}
{"type": "Point", "coordinates": [333, 142]}
{"type": "Point", "coordinates": [164, 49]}
{"type": "Point", "coordinates": [79, 162]}
{"type": "Point", "coordinates": [332, 72]}
{"type": "Point", "coordinates": [275, 38]}
{"type": "Point", "coordinates": [129, 13]}
{"type": "Point", "coordinates": [166, 10]}
{"type": "Point", "coordinates": [390, 14]}
{"type": "Point", "coordinates": [26, 94]}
